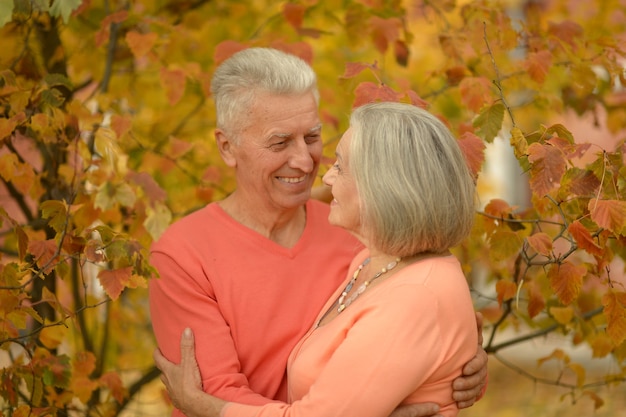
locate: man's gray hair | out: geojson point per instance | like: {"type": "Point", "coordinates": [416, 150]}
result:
{"type": "Point", "coordinates": [242, 77]}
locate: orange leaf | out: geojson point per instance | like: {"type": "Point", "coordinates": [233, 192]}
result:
{"type": "Point", "coordinates": [140, 43]}
{"type": "Point", "coordinates": [354, 68]}
{"type": "Point", "coordinates": [536, 302]}
{"type": "Point", "coordinates": [566, 31]}
{"type": "Point", "coordinates": [538, 64]}
{"type": "Point", "coordinates": [302, 50]}
{"type": "Point", "coordinates": [506, 290]}
{"type": "Point", "coordinates": [105, 26]}
{"type": "Point", "coordinates": [384, 31]}
{"type": "Point", "coordinates": [498, 208]}
{"type": "Point", "coordinates": [541, 243]}
{"type": "Point", "coordinates": [173, 81]}
{"type": "Point", "coordinates": [566, 280]}
{"type": "Point", "coordinates": [45, 252]}
{"type": "Point", "coordinates": [149, 186]}
{"type": "Point", "coordinates": [114, 281]}
{"type": "Point", "coordinates": [416, 100]}
{"type": "Point", "coordinates": [608, 214]}
{"type": "Point", "coordinates": [121, 125]}
{"type": "Point", "coordinates": [475, 92]}
{"type": "Point", "coordinates": [614, 303]}
{"type": "Point", "coordinates": [583, 238]}
{"type": "Point", "coordinates": [226, 49]}
{"type": "Point", "coordinates": [368, 92]}
{"type": "Point", "coordinates": [294, 14]}
{"type": "Point", "coordinates": [474, 150]}
{"type": "Point", "coordinates": [113, 382]}
{"type": "Point", "coordinates": [548, 166]}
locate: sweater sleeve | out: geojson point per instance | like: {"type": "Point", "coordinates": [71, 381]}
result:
{"type": "Point", "coordinates": [391, 349]}
{"type": "Point", "coordinates": [184, 298]}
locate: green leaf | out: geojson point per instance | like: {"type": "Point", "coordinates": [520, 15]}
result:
{"type": "Point", "coordinates": [6, 12]}
{"type": "Point", "coordinates": [64, 8]}
{"type": "Point", "coordinates": [489, 121]}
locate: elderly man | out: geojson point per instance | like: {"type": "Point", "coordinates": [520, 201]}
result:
{"type": "Point", "coordinates": [250, 273]}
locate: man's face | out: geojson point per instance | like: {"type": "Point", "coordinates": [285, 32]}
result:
{"type": "Point", "coordinates": [278, 152]}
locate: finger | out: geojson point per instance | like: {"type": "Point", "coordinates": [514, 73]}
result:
{"type": "Point", "coordinates": [477, 366]}
{"type": "Point", "coordinates": [159, 359]}
{"type": "Point", "coordinates": [465, 404]}
{"type": "Point", "coordinates": [187, 349]}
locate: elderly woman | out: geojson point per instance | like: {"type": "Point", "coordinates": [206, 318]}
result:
{"type": "Point", "coordinates": [402, 326]}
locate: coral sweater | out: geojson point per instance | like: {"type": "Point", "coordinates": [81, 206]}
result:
{"type": "Point", "coordinates": [402, 341]}
{"type": "Point", "coordinates": [247, 299]}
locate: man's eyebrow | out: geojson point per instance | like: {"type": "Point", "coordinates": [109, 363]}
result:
{"type": "Point", "coordinates": [314, 129]}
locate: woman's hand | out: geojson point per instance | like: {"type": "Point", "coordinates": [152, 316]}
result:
{"type": "Point", "coordinates": [183, 381]}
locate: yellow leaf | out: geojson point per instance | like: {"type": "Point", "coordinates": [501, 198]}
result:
{"type": "Point", "coordinates": [562, 315]}
{"type": "Point", "coordinates": [609, 214]}
{"type": "Point", "coordinates": [580, 372]}
{"type": "Point", "coordinates": [601, 345]}
{"type": "Point", "coordinates": [520, 145]}
{"type": "Point", "coordinates": [52, 336]}
{"type": "Point", "coordinates": [504, 244]}
{"type": "Point", "coordinates": [158, 219]}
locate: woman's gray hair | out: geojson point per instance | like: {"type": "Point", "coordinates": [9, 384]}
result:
{"type": "Point", "coordinates": [416, 190]}
{"type": "Point", "coordinates": [242, 77]}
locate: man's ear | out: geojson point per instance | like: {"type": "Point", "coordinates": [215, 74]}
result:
{"type": "Point", "coordinates": [225, 146]}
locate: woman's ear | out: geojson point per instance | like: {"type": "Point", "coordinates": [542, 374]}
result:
{"type": "Point", "coordinates": [225, 146]}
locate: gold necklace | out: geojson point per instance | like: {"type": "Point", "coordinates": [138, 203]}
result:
{"type": "Point", "coordinates": [342, 302]}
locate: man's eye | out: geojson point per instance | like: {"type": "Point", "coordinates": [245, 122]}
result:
{"type": "Point", "coordinates": [278, 144]}
{"type": "Point", "coordinates": [312, 138]}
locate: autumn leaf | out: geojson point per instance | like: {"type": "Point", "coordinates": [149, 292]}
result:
{"type": "Point", "coordinates": [506, 290]}
{"type": "Point", "coordinates": [541, 243]}
{"type": "Point", "coordinates": [557, 354]}
{"type": "Point", "coordinates": [173, 82]}
{"type": "Point", "coordinates": [566, 280]}
{"type": "Point", "coordinates": [384, 31]}
{"type": "Point", "coordinates": [52, 336]}
{"type": "Point", "coordinates": [579, 371]}
{"type": "Point", "coordinates": [354, 68]}
{"type": "Point", "coordinates": [548, 166]}
{"type": "Point", "coordinates": [474, 151]}
{"type": "Point", "coordinates": [498, 208]}
{"type": "Point", "coordinates": [538, 64]}
{"type": "Point", "coordinates": [489, 121]}
{"type": "Point", "coordinates": [536, 302]}
{"type": "Point", "coordinates": [580, 182]}
{"type": "Point", "coordinates": [401, 52]}
{"type": "Point", "coordinates": [614, 303]}
{"type": "Point", "coordinates": [105, 26]}
{"type": "Point", "coordinates": [64, 8]}
{"type": "Point", "coordinates": [114, 281]}
{"type": "Point", "coordinates": [598, 402]}
{"type": "Point", "coordinates": [56, 213]}
{"type": "Point", "coordinates": [519, 143]}
{"type": "Point", "coordinates": [140, 43]}
{"type": "Point", "coordinates": [504, 244]}
{"type": "Point", "coordinates": [226, 49]}
{"type": "Point", "coordinates": [562, 315]}
{"type": "Point", "coordinates": [45, 253]}
{"type": "Point", "coordinates": [157, 220]}
{"type": "Point", "coordinates": [113, 382]}
{"type": "Point", "coordinates": [608, 214]}
{"type": "Point", "coordinates": [368, 92]}
{"type": "Point", "coordinates": [475, 92]}
{"type": "Point", "coordinates": [82, 385]}
{"type": "Point", "coordinates": [583, 238]}
{"type": "Point", "coordinates": [601, 345]}
{"type": "Point", "coordinates": [566, 31]}
{"type": "Point", "coordinates": [294, 14]}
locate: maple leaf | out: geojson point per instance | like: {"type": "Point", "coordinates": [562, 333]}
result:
{"type": "Point", "coordinates": [566, 280]}
{"type": "Point", "coordinates": [614, 303]}
{"type": "Point", "coordinates": [368, 92]}
{"type": "Point", "coordinates": [173, 81]}
{"type": "Point", "coordinates": [474, 150]}
{"type": "Point", "coordinates": [56, 213]}
{"type": "Point", "coordinates": [541, 243]}
{"type": "Point", "coordinates": [580, 182]}
{"type": "Point", "coordinates": [475, 92]}
{"type": "Point", "coordinates": [506, 290]}
{"type": "Point", "coordinates": [504, 244]}
{"type": "Point", "coordinates": [608, 214]}
{"type": "Point", "coordinates": [548, 166]}
{"type": "Point", "coordinates": [498, 208]}
{"type": "Point", "coordinates": [583, 238]}
{"type": "Point", "coordinates": [114, 281]}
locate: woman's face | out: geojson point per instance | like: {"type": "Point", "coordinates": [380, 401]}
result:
{"type": "Point", "coordinates": [345, 209]}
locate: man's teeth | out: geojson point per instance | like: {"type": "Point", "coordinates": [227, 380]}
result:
{"type": "Point", "coordinates": [292, 180]}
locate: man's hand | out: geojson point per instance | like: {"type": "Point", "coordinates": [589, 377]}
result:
{"type": "Point", "coordinates": [469, 387]}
